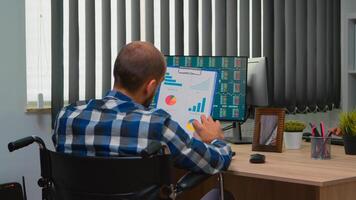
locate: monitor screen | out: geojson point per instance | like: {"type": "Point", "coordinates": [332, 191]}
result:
{"type": "Point", "coordinates": [229, 102]}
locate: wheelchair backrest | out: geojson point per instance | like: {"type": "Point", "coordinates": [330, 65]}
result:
{"type": "Point", "coordinates": [107, 175]}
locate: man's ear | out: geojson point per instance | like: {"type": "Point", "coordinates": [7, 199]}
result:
{"type": "Point", "coordinates": [151, 86]}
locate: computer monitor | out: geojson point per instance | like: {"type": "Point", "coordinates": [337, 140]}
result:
{"type": "Point", "coordinates": [257, 90]}
{"type": "Point", "coordinates": [229, 102]}
{"type": "Point", "coordinates": [257, 95]}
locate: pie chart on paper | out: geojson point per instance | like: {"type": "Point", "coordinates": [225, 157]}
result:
{"type": "Point", "coordinates": [171, 100]}
{"type": "Point", "coordinates": [189, 125]}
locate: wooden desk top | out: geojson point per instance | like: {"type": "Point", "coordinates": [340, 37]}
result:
{"type": "Point", "coordinates": [296, 166]}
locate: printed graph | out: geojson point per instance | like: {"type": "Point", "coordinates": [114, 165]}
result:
{"type": "Point", "coordinates": [189, 125]}
{"type": "Point", "coordinates": [229, 90]}
{"type": "Point", "coordinates": [171, 100]}
{"type": "Point", "coordinates": [200, 107]}
{"type": "Point", "coordinates": [170, 81]}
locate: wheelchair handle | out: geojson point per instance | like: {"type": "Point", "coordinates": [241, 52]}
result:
{"type": "Point", "coordinates": [23, 142]}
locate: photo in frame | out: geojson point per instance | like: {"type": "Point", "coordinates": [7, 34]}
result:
{"type": "Point", "coordinates": [269, 128]}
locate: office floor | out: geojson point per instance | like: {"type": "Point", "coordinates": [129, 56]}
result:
{"type": "Point", "coordinates": [330, 118]}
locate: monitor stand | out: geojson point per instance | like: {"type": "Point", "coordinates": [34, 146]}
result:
{"type": "Point", "coordinates": [237, 137]}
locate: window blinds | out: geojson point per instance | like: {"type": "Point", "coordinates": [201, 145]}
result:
{"type": "Point", "coordinates": [300, 38]}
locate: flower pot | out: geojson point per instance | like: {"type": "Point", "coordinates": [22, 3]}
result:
{"type": "Point", "coordinates": [350, 144]}
{"type": "Point", "coordinates": [293, 140]}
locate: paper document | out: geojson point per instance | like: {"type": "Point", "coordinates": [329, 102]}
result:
{"type": "Point", "coordinates": [187, 94]}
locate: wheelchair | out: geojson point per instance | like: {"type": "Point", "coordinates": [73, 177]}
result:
{"type": "Point", "coordinates": [146, 176]}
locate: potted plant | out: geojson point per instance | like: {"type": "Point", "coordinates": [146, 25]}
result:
{"type": "Point", "coordinates": [293, 134]}
{"type": "Point", "coordinates": [348, 129]}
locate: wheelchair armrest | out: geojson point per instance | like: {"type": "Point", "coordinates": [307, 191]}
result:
{"type": "Point", "coordinates": [151, 149]}
{"type": "Point", "coordinates": [150, 193]}
{"type": "Point", "coordinates": [190, 180]}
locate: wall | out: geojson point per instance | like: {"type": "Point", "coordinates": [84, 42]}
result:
{"type": "Point", "coordinates": [348, 82]}
{"type": "Point", "coordinates": [14, 122]}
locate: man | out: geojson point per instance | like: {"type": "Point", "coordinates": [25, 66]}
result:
{"type": "Point", "coordinates": [122, 124]}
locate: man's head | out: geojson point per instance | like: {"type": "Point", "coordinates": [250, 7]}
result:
{"type": "Point", "coordinates": [138, 71]}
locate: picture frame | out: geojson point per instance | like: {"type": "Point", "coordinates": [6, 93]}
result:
{"type": "Point", "coordinates": [269, 128]}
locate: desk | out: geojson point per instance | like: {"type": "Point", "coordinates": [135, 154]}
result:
{"type": "Point", "coordinates": [291, 175]}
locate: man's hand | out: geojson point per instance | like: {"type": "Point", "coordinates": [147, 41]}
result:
{"type": "Point", "coordinates": [208, 130]}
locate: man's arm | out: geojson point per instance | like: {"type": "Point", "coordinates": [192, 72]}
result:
{"type": "Point", "coordinates": [60, 128]}
{"type": "Point", "coordinates": [210, 156]}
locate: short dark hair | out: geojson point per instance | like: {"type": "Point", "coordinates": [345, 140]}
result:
{"type": "Point", "coordinates": [137, 63]}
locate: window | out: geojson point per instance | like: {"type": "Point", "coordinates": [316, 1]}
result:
{"type": "Point", "coordinates": [38, 50]}
{"type": "Point", "coordinates": [38, 40]}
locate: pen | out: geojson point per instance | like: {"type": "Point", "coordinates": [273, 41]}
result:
{"type": "Point", "coordinates": [322, 129]}
{"type": "Point", "coordinates": [312, 129]}
{"type": "Point", "coordinates": [317, 134]}
{"type": "Point", "coordinates": [329, 134]}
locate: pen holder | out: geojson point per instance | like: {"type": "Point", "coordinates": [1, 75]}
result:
{"type": "Point", "coordinates": [320, 148]}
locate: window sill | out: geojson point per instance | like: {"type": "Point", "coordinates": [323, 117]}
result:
{"type": "Point", "coordinates": [38, 110]}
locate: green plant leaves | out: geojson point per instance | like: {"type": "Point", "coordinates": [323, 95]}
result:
{"type": "Point", "coordinates": [294, 126]}
{"type": "Point", "coordinates": [348, 123]}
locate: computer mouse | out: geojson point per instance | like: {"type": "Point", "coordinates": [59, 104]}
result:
{"type": "Point", "coordinates": [257, 158]}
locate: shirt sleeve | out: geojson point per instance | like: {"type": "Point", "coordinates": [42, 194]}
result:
{"type": "Point", "coordinates": [193, 154]}
{"type": "Point", "coordinates": [55, 131]}
{"type": "Point", "coordinates": [59, 128]}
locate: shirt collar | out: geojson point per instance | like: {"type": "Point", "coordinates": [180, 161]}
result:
{"type": "Point", "coordinates": [118, 95]}
{"type": "Point", "coordinates": [122, 97]}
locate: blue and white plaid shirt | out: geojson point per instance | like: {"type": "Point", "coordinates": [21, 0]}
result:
{"type": "Point", "coordinates": [116, 125]}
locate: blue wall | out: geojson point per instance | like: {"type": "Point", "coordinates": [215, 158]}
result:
{"type": "Point", "coordinates": [14, 122]}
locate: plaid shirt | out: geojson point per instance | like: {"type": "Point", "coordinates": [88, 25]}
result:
{"type": "Point", "coordinates": [116, 125]}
